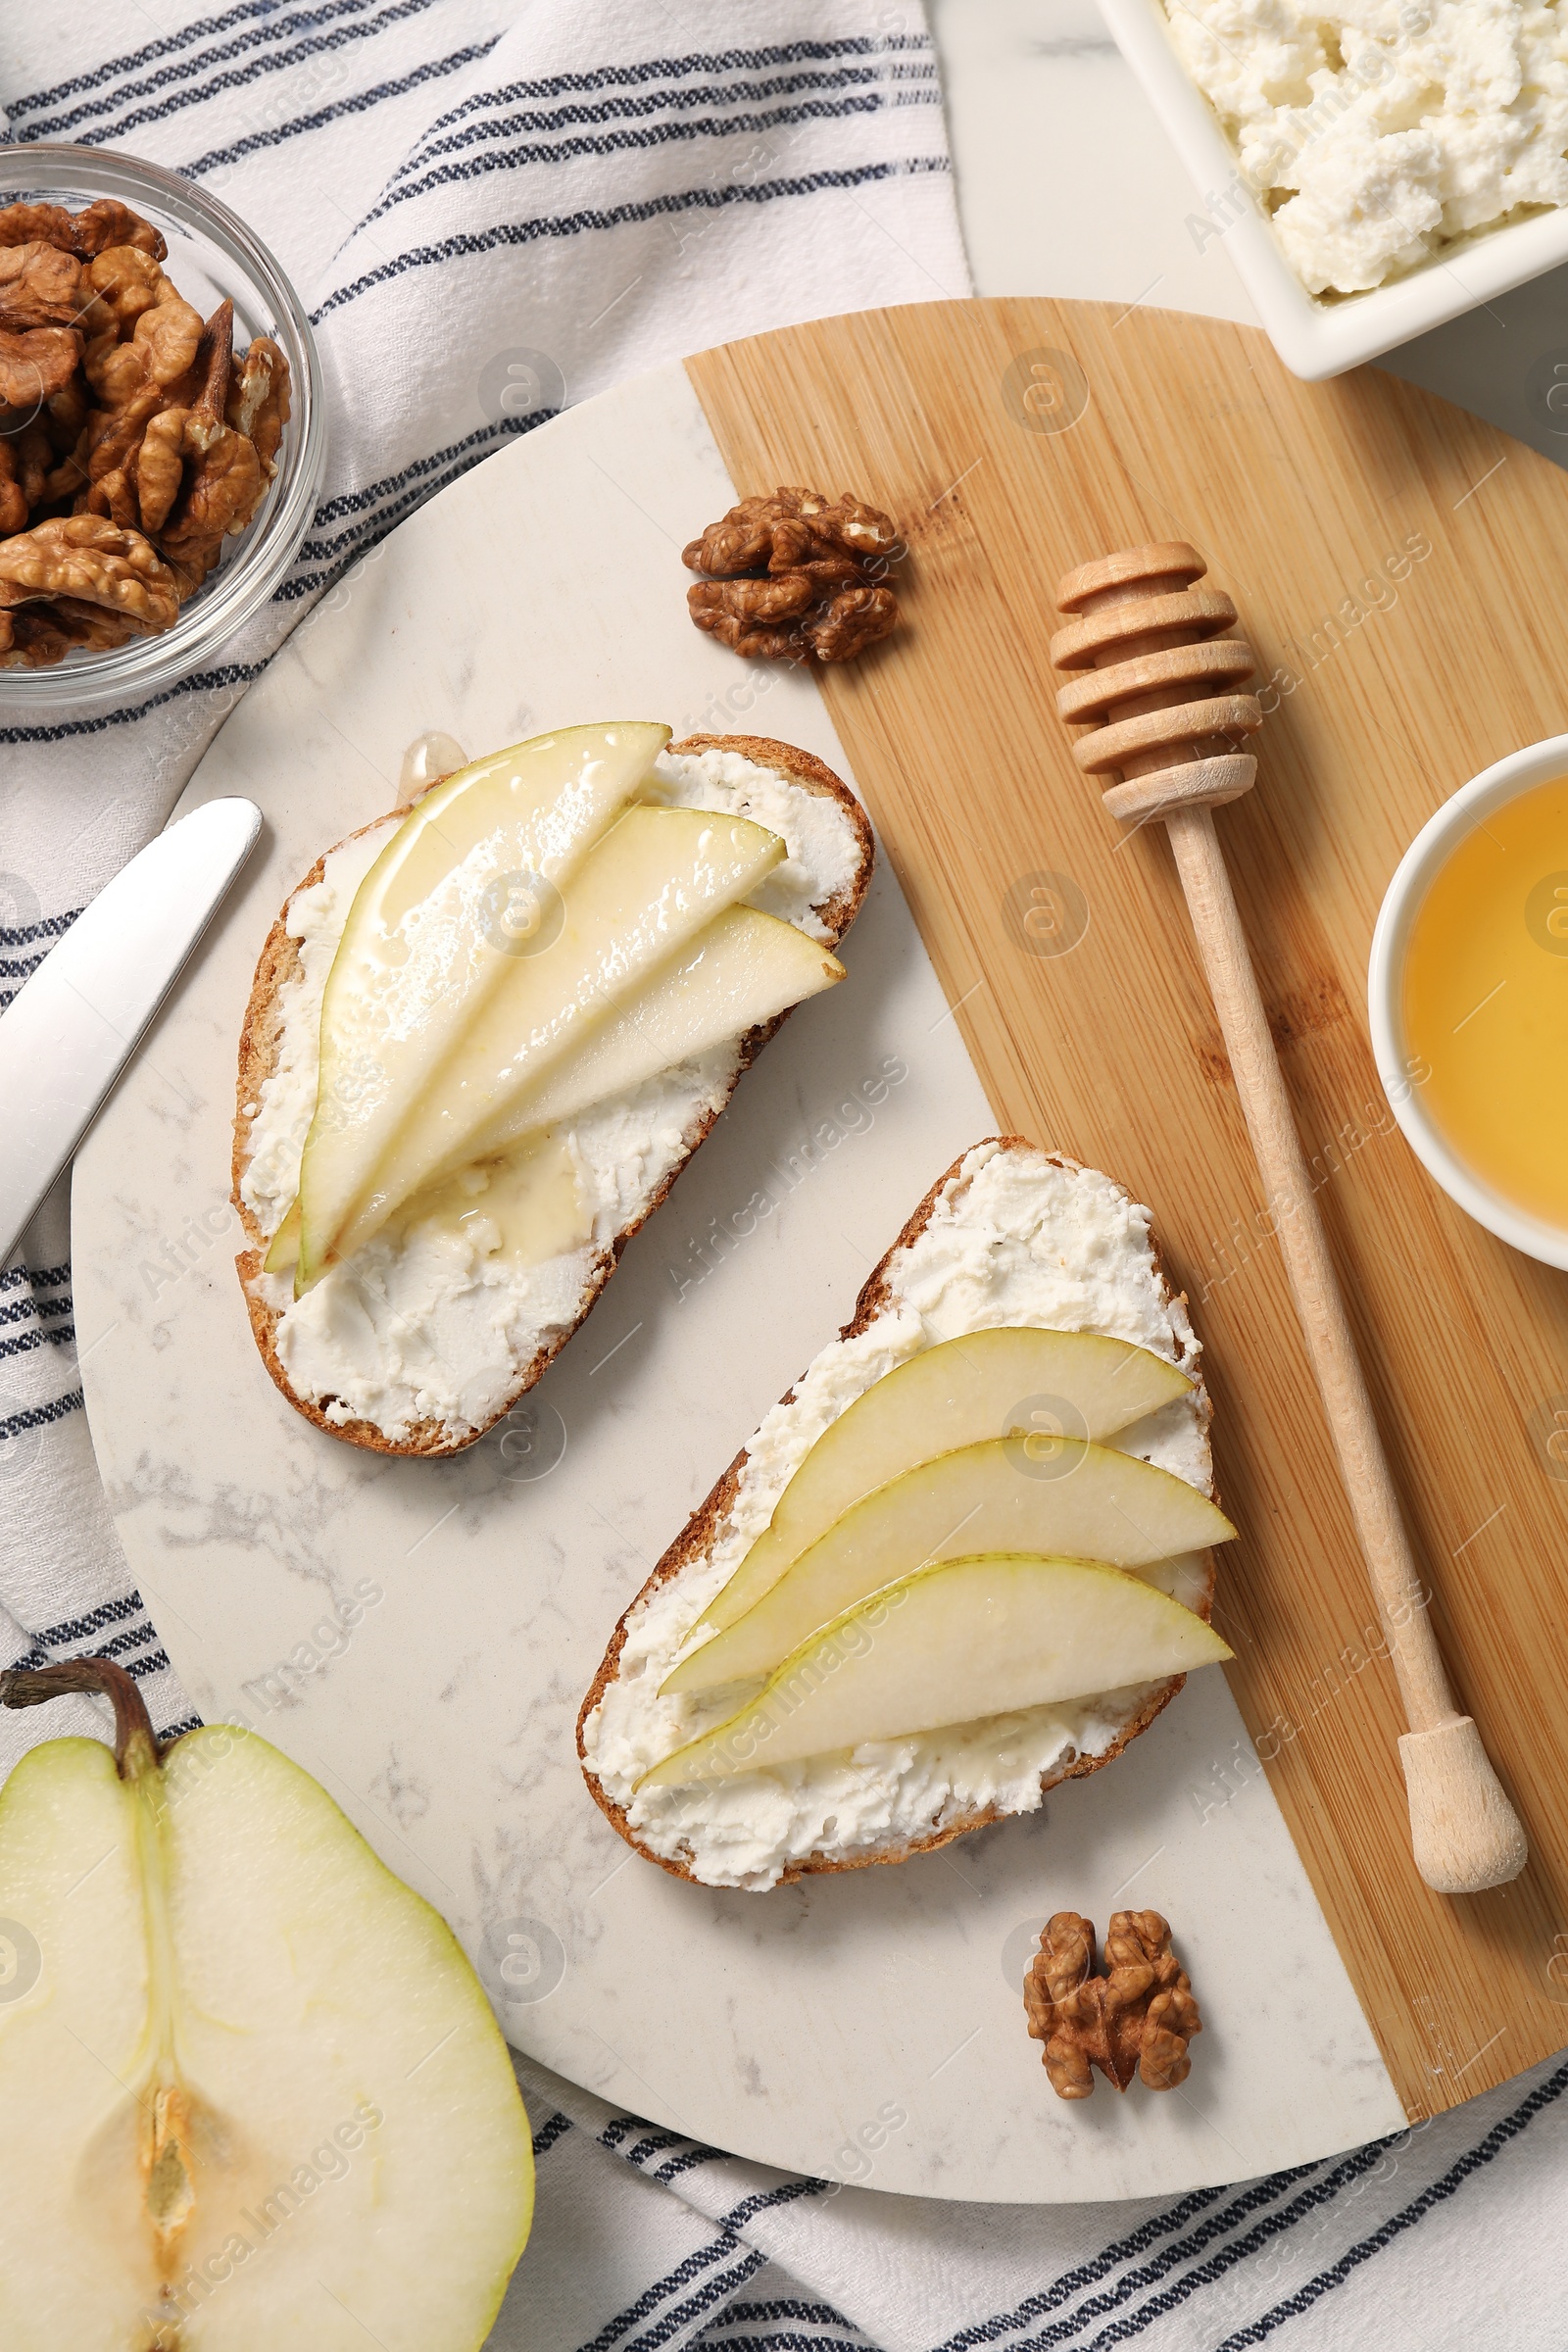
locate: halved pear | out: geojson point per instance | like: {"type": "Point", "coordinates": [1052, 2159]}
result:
{"type": "Point", "coordinates": [742, 969]}
{"type": "Point", "coordinates": [418, 953]}
{"type": "Point", "coordinates": [1095, 1504]}
{"type": "Point", "coordinates": [254, 2093]}
{"type": "Point", "coordinates": [952, 1395]}
{"type": "Point", "coordinates": [950, 1644]}
{"type": "Point", "coordinates": [657, 877]}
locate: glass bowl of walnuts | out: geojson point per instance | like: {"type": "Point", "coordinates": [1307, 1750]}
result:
{"type": "Point", "coordinates": [161, 430]}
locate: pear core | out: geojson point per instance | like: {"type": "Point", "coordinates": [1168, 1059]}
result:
{"type": "Point", "coordinates": [950, 1644]}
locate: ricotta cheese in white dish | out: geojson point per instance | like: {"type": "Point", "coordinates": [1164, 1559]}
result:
{"type": "Point", "coordinates": [435, 1317]}
{"type": "Point", "coordinates": [1378, 133]}
{"type": "Point", "coordinates": [1016, 1239]}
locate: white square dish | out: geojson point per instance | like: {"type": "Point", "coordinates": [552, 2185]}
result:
{"type": "Point", "coordinates": [1316, 338]}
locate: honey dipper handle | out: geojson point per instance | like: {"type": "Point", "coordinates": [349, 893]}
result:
{"type": "Point", "coordinates": [1465, 1832]}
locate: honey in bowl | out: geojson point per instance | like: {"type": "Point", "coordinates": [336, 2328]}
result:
{"type": "Point", "coordinates": [1486, 1001]}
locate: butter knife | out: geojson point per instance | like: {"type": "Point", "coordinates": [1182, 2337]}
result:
{"type": "Point", "coordinates": [73, 1027]}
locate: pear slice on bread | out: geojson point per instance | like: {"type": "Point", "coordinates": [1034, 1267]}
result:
{"type": "Point", "coordinates": [416, 965]}
{"type": "Point", "coordinates": [952, 1642]}
{"type": "Point", "coordinates": [428, 1223]}
{"type": "Point", "coordinates": [746, 957]}
{"type": "Point", "coordinates": [1088, 1502]}
{"type": "Point", "coordinates": [1078, 1385]}
{"type": "Point", "coordinates": [919, 1682]}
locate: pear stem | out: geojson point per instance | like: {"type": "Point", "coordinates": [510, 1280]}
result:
{"type": "Point", "coordinates": [135, 1741]}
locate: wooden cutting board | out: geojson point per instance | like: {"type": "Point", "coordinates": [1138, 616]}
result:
{"type": "Point", "coordinates": [1402, 569]}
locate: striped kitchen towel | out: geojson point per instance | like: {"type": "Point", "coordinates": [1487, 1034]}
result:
{"type": "Point", "coordinates": [574, 191]}
{"type": "Point", "coordinates": [1447, 2239]}
{"type": "Point", "coordinates": [472, 196]}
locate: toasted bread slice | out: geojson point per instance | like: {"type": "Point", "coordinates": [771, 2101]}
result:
{"type": "Point", "coordinates": [723, 1849]}
{"type": "Point", "coordinates": [268, 1298]}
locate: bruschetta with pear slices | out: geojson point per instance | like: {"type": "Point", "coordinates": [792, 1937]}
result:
{"type": "Point", "coordinates": [486, 1034]}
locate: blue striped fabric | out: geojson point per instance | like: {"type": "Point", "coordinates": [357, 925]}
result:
{"type": "Point", "coordinates": [362, 102]}
{"type": "Point", "coordinates": [1291, 2260]}
{"type": "Point", "coordinates": [444, 180]}
{"type": "Point", "coordinates": [503, 233]}
{"type": "Point", "coordinates": [607, 187]}
{"type": "Point", "coordinates": [176, 83]}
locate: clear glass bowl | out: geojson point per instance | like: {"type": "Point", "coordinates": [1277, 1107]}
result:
{"type": "Point", "coordinates": [212, 256]}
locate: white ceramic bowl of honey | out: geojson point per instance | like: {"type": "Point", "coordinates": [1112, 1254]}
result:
{"type": "Point", "coordinates": [1468, 995]}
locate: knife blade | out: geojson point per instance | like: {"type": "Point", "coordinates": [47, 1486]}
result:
{"type": "Point", "coordinates": [73, 1027]}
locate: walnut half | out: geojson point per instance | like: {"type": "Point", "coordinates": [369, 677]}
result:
{"type": "Point", "coordinates": [1137, 2018]}
{"type": "Point", "coordinates": [85, 233]}
{"type": "Point", "coordinates": [795, 574]}
{"type": "Point", "coordinates": [93, 562]}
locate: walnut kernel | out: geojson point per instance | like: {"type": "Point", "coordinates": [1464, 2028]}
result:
{"type": "Point", "coordinates": [788, 577]}
{"type": "Point", "coordinates": [40, 286]}
{"type": "Point", "coordinates": [92, 559]}
{"type": "Point", "coordinates": [85, 233]}
{"type": "Point", "coordinates": [1137, 2018]}
{"type": "Point", "coordinates": [35, 363]}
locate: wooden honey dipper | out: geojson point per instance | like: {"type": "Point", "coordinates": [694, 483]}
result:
{"type": "Point", "coordinates": [1155, 681]}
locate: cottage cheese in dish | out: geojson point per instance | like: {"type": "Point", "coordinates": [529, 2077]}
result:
{"type": "Point", "coordinates": [1018, 1237]}
{"type": "Point", "coordinates": [433, 1319]}
{"type": "Point", "coordinates": [1377, 132]}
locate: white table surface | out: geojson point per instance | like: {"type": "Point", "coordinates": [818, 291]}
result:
{"type": "Point", "coordinates": [1069, 186]}
{"type": "Point", "coordinates": [237, 1517]}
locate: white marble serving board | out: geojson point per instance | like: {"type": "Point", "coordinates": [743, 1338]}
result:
{"type": "Point", "coordinates": [864, 2027]}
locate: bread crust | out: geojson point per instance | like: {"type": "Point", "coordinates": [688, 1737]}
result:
{"type": "Point", "coordinates": [261, 1040]}
{"type": "Point", "coordinates": [696, 1539]}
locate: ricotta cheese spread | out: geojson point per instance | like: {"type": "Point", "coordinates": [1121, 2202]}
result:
{"type": "Point", "coordinates": [1018, 1237]}
{"type": "Point", "coordinates": [436, 1319]}
{"type": "Point", "coordinates": [1377, 132]}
